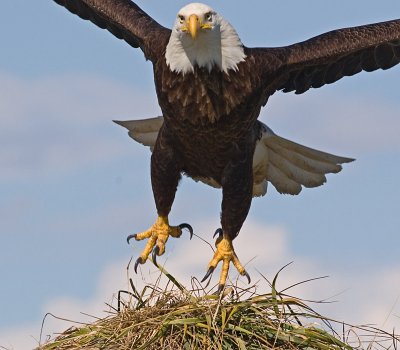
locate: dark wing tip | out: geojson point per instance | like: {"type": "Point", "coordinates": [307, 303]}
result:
{"type": "Point", "coordinates": [331, 56]}
{"type": "Point", "coordinates": [96, 16]}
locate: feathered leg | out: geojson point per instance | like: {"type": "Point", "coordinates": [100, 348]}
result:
{"type": "Point", "coordinates": [165, 175]}
{"type": "Point", "coordinates": [237, 185]}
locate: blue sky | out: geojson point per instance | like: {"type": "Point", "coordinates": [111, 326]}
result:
{"type": "Point", "coordinates": [73, 185]}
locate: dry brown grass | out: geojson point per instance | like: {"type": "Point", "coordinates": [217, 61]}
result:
{"type": "Point", "coordinates": [177, 318]}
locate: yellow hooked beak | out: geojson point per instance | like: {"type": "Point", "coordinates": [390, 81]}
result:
{"type": "Point", "coordinates": [193, 26]}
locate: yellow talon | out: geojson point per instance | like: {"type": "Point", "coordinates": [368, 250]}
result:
{"type": "Point", "coordinates": [226, 254]}
{"type": "Point", "coordinates": [157, 236]}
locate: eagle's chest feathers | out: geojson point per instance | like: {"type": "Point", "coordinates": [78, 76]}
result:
{"type": "Point", "coordinates": [201, 95]}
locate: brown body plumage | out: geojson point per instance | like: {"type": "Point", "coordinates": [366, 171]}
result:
{"type": "Point", "coordinates": [210, 129]}
{"type": "Point", "coordinates": [205, 138]}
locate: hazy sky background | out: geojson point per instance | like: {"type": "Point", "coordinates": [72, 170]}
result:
{"type": "Point", "coordinates": [73, 185]}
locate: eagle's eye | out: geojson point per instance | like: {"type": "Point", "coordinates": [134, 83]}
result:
{"type": "Point", "coordinates": [181, 18]}
{"type": "Point", "coordinates": [208, 17]}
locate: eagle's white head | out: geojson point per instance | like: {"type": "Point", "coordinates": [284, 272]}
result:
{"type": "Point", "coordinates": [201, 37]}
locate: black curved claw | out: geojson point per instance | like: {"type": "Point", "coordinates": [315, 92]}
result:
{"type": "Point", "coordinates": [154, 254]}
{"type": "Point", "coordinates": [138, 261]}
{"type": "Point", "coordinates": [220, 288]}
{"type": "Point", "coordinates": [130, 237]}
{"type": "Point", "coordinates": [218, 232]}
{"type": "Point", "coordinates": [190, 229]}
{"type": "Point", "coordinates": [247, 275]}
{"type": "Point", "coordinates": [208, 274]}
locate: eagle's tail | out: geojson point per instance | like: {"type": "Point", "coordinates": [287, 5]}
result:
{"type": "Point", "coordinates": [285, 164]}
{"type": "Point", "coordinates": [289, 165]}
{"type": "Point", "coordinates": [144, 131]}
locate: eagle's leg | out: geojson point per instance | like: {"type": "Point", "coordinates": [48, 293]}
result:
{"type": "Point", "coordinates": [165, 175]}
{"type": "Point", "coordinates": [237, 187]}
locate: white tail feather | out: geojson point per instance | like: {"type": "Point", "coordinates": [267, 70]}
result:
{"type": "Point", "coordinates": [304, 177]}
{"type": "Point", "coordinates": [309, 164]}
{"type": "Point", "coordinates": [291, 165]}
{"type": "Point", "coordinates": [286, 164]}
{"type": "Point", "coordinates": [144, 131]}
{"type": "Point", "coordinates": [281, 181]}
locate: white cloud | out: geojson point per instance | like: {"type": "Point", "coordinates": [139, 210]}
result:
{"type": "Point", "coordinates": [379, 293]}
{"type": "Point", "coordinates": [111, 280]}
{"type": "Point", "coordinates": [20, 338]}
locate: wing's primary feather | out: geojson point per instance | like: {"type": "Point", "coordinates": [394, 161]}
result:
{"type": "Point", "coordinates": [125, 20]}
{"type": "Point", "coordinates": [327, 58]}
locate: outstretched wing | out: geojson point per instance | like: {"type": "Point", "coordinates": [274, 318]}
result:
{"type": "Point", "coordinates": [327, 58]}
{"type": "Point", "coordinates": [125, 20]}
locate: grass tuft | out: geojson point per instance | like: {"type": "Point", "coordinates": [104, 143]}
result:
{"type": "Point", "coordinates": [177, 318]}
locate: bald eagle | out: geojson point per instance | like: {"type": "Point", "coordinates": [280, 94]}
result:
{"type": "Point", "coordinates": [211, 88]}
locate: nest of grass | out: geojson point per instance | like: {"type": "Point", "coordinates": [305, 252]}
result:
{"type": "Point", "coordinates": [176, 318]}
